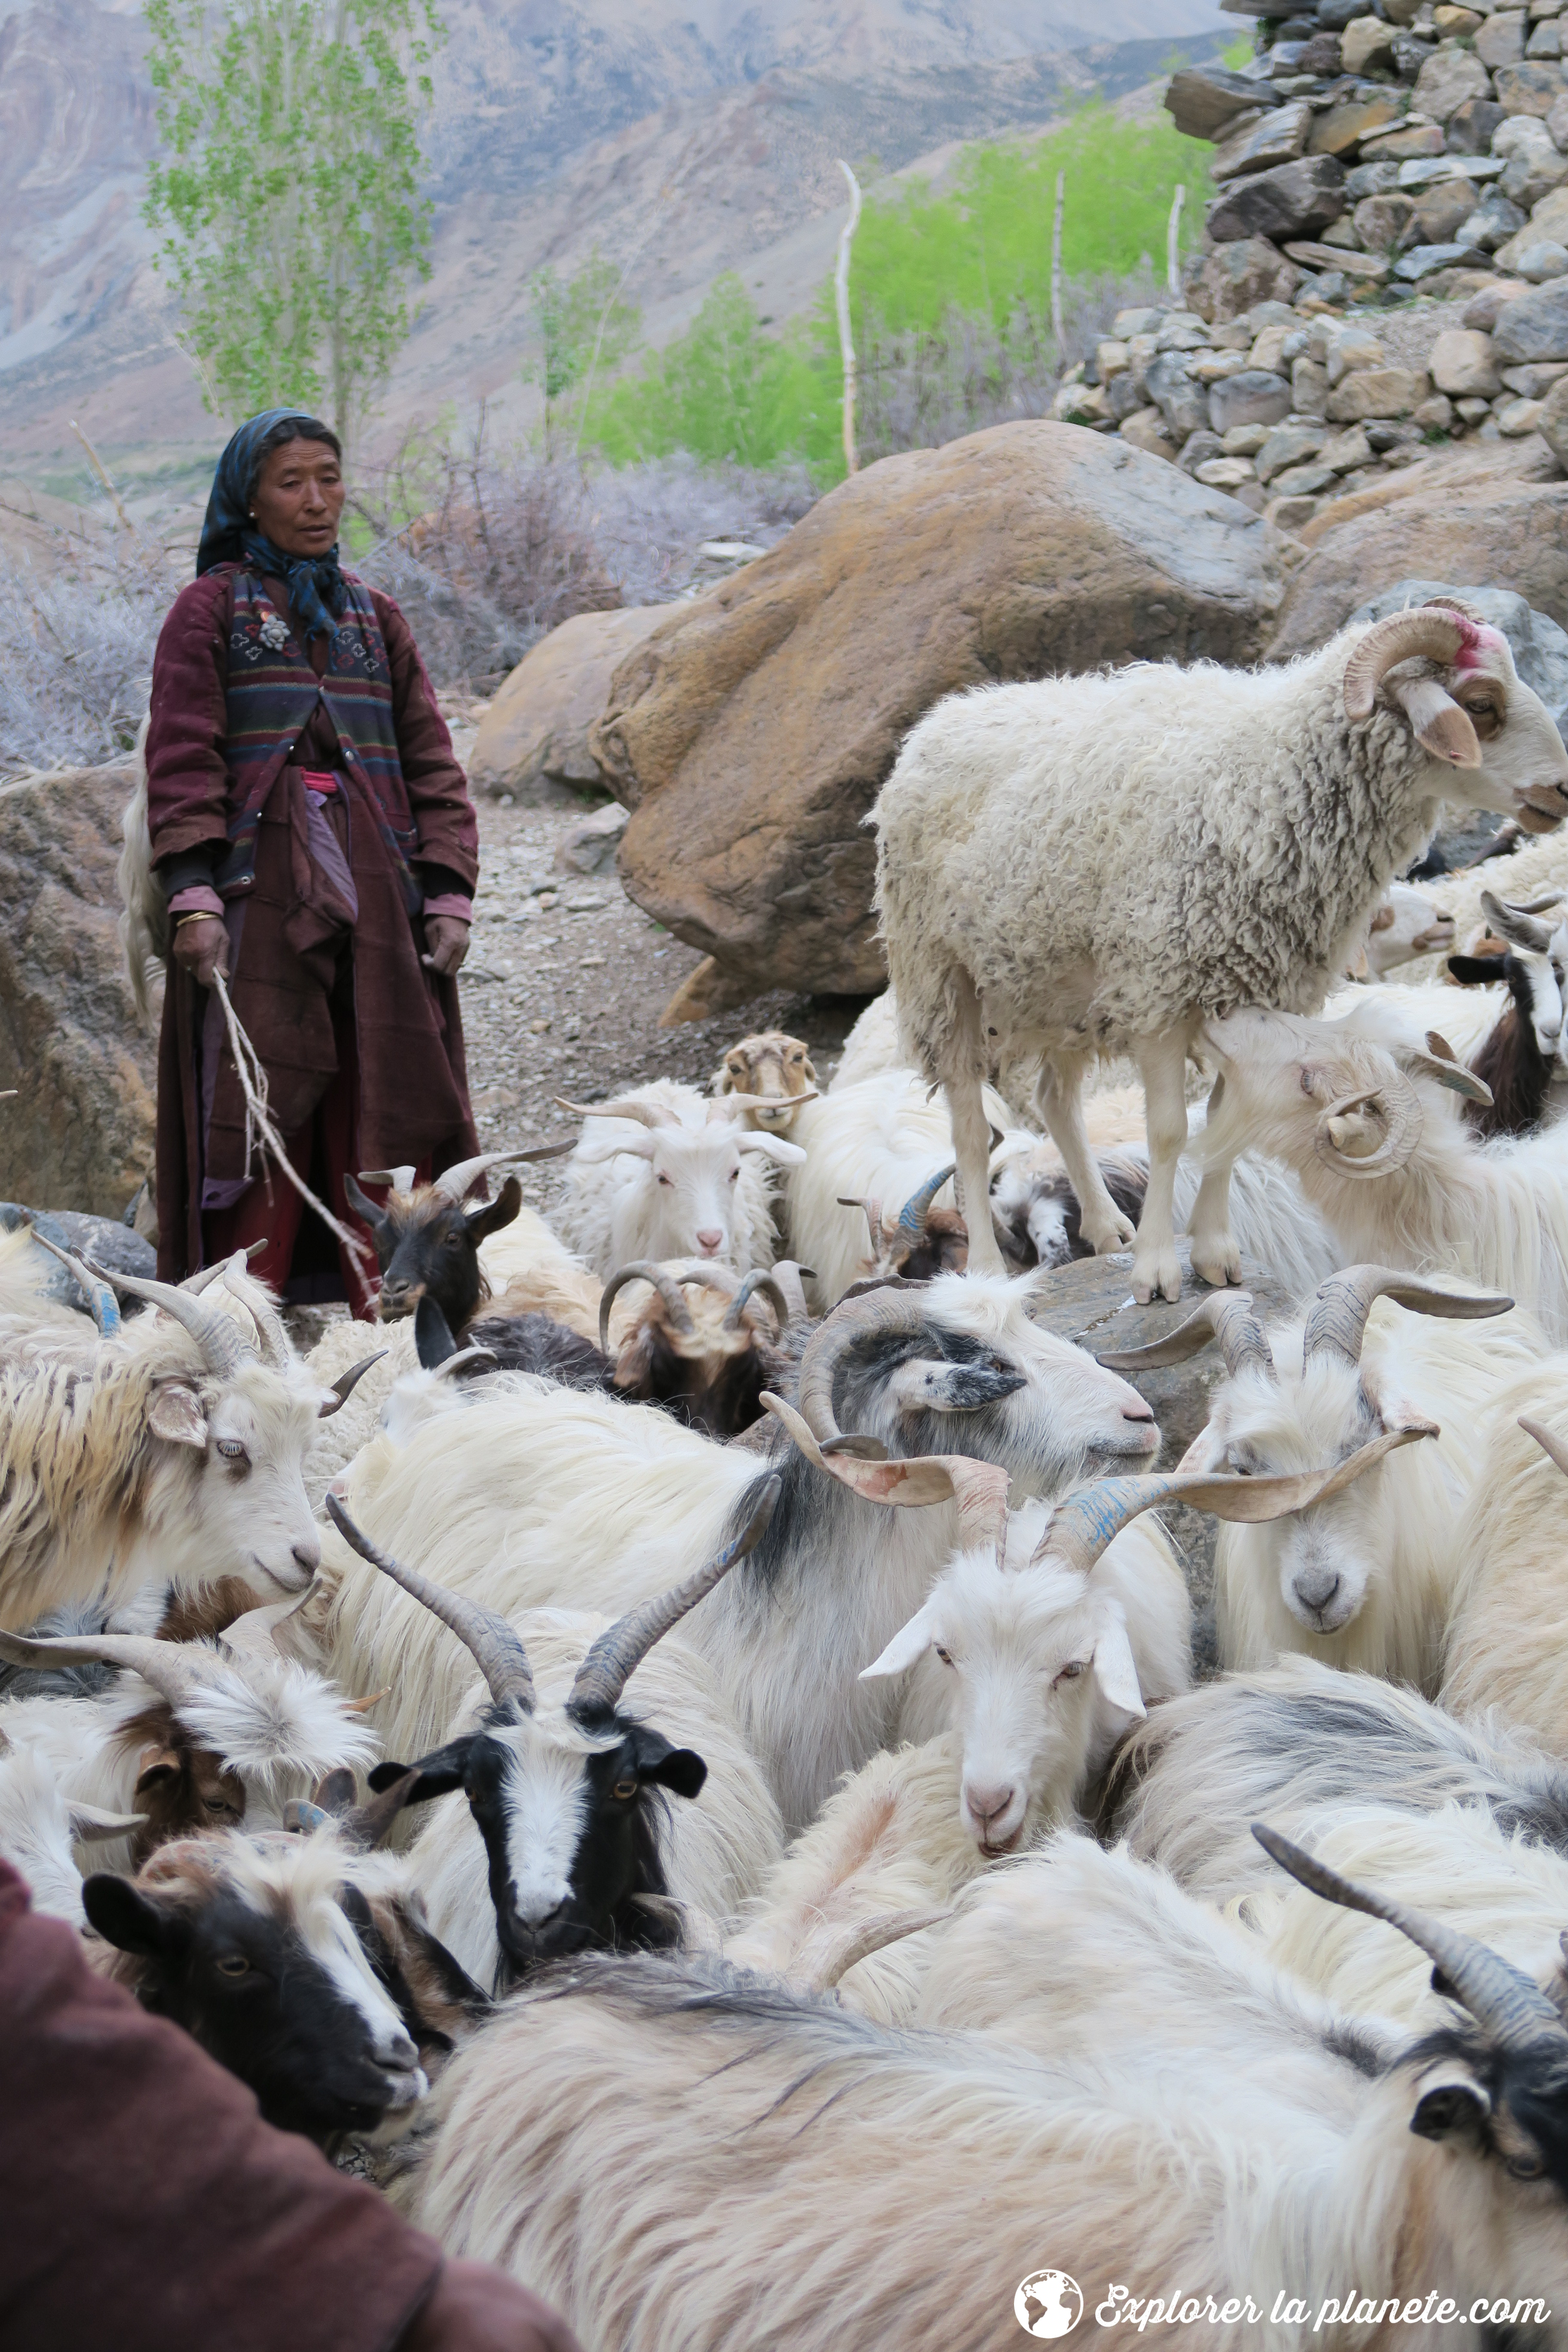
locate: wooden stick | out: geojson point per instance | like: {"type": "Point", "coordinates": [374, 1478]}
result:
{"type": "Point", "coordinates": [1057, 261]}
{"type": "Point", "coordinates": [841, 301]}
{"type": "Point", "coordinates": [261, 1129]}
{"type": "Point", "coordinates": [1173, 234]}
{"type": "Point", "coordinates": [98, 468]}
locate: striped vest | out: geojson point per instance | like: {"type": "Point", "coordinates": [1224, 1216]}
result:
{"type": "Point", "coordinates": [272, 693]}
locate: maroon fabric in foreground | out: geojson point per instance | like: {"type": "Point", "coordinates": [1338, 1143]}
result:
{"type": "Point", "coordinates": [147, 2208]}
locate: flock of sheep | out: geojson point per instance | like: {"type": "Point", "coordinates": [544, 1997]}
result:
{"type": "Point", "coordinates": [691, 1757]}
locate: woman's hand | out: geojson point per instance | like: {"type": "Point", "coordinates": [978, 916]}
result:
{"type": "Point", "coordinates": [201, 948]}
{"type": "Point", "coordinates": [474, 2309]}
{"type": "Point", "coordinates": [447, 939]}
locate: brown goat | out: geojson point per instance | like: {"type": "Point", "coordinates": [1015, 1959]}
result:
{"type": "Point", "coordinates": [707, 1357]}
{"type": "Point", "coordinates": [772, 1064]}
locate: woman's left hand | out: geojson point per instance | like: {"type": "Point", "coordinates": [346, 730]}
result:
{"type": "Point", "coordinates": [447, 939]}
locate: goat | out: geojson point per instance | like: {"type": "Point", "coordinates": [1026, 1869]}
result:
{"type": "Point", "coordinates": [1523, 1057]}
{"type": "Point", "coordinates": [1405, 923]}
{"type": "Point", "coordinates": [534, 1497]}
{"type": "Point", "coordinates": [1504, 1649]}
{"type": "Point", "coordinates": [427, 1242]}
{"type": "Point", "coordinates": [566, 1794]}
{"type": "Point", "coordinates": [1228, 872]}
{"type": "Point", "coordinates": [774, 1072]}
{"type": "Point", "coordinates": [644, 2143]}
{"type": "Point", "coordinates": [691, 1184]}
{"type": "Point", "coordinates": [1365, 1580]}
{"type": "Point", "coordinates": [705, 1358]}
{"type": "Point", "coordinates": [40, 1826]}
{"type": "Point", "coordinates": [299, 1963]}
{"type": "Point", "coordinates": [156, 1454]}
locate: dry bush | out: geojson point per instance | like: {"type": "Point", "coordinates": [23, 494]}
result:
{"type": "Point", "coordinates": [76, 649]}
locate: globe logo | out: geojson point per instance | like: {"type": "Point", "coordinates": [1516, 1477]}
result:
{"type": "Point", "coordinates": [1048, 2304]}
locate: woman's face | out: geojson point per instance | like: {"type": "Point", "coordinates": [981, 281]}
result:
{"type": "Point", "coordinates": [298, 497]}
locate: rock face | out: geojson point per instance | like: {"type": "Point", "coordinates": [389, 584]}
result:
{"type": "Point", "coordinates": [79, 1133]}
{"type": "Point", "coordinates": [753, 731]}
{"type": "Point", "coordinates": [1535, 326]}
{"type": "Point", "coordinates": [534, 736]}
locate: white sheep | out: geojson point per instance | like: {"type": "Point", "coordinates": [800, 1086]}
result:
{"type": "Point", "coordinates": [666, 1173]}
{"type": "Point", "coordinates": [1095, 865]}
{"type": "Point", "coordinates": [1366, 1581]}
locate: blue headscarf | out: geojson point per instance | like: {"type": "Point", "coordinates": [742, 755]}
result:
{"type": "Point", "coordinates": [317, 591]}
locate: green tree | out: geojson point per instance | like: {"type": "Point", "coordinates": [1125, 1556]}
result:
{"type": "Point", "coordinates": [585, 329]}
{"type": "Point", "coordinates": [289, 192]}
{"type": "Point", "coordinates": [723, 390]}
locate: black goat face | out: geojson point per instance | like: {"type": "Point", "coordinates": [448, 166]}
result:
{"type": "Point", "coordinates": [428, 1246]}
{"type": "Point", "coordinates": [571, 1827]}
{"type": "Point", "coordinates": [280, 1993]}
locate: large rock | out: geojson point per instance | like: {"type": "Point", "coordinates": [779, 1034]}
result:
{"type": "Point", "coordinates": [752, 731]}
{"type": "Point", "coordinates": [1292, 200]}
{"type": "Point", "coordinates": [1378, 392]}
{"type": "Point", "coordinates": [1483, 516]}
{"type": "Point", "coordinates": [1254, 396]}
{"type": "Point", "coordinates": [1529, 88]}
{"type": "Point", "coordinates": [1203, 98]}
{"type": "Point", "coordinates": [1235, 277]}
{"type": "Point", "coordinates": [1339, 130]}
{"type": "Point", "coordinates": [535, 732]}
{"type": "Point", "coordinates": [1462, 364]}
{"type": "Point", "coordinates": [1260, 141]}
{"type": "Point", "coordinates": [79, 1133]}
{"type": "Point", "coordinates": [1535, 326]}
{"type": "Point", "coordinates": [1447, 78]}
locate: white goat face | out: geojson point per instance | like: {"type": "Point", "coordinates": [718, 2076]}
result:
{"type": "Point", "coordinates": [1040, 1674]}
{"type": "Point", "coordinates": [249, 1514]}
{"type": "Point", "coordinates": [682, 1203]}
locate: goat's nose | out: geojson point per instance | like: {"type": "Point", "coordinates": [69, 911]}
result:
{"type": "Point", "coordinates": [709, 1241]}
{"type": "Point", "coordinates": [1316, 1587]}
{"type": "Point", "coordinates": [1139, 1411]}
{"type": "Point", "coordinates": [989, 1803]}
{"type": "Point", "coordinates": [308, 1556]}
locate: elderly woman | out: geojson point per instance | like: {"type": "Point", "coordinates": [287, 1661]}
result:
{"type": "Point", "coordinates": [313, 832]}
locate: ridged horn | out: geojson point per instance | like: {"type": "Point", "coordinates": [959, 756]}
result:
{"type": "Point", "coordinates": [1515, 924]}
{"type": "Point", "coordinates": [913, 1217]}
{"type": "Point", "coordinates": [490, 1640]}
{"type": "Point", "coordinates": [344, 1387]}
{"type": "Point", "coordinates": [276, 1350]}
{"type": "Point", "coordinates": [205, 1275]}
{"type": "Point", "coordinates": [1504, 2002]}
{"type": "Point", "coordinates": [401, 1180]}
{"type": "Point", "coordinates": [835, 1336]}
{"type": "Point", "coordinates": [101, 1303]}
{"type": "Point", "coordinates": [792, 1278]}
{"type": "Point", "coordinates": [621, 1648]}
{"type": "Point", "coordinates": [1336, 1322]}
{"type": "Point", "coordinates": [646, 1114]}
{"type": "Point", "coordinates": [223, 1345]}
{"type": "Point", "coordinates": [725, 1103]}
{"type": "Point", "coordinates": [644, 1269]}
{"type": "Point", "coordinates": [253, 1638]}
{"type": "Point", "coordinates": [1427, 631]}
{"type": "Point", "coordinates": [874, 1935]}
{"type": "Point", "coordinates": [1400, 1109]}
{"type": "Point", "coordinates": [458, 1180]}
{"type": "Point", "coordinates": [1225, 1315]}
{"type": "Point", "coordinates": [1079, 1529]}
{"type": "Point", "coordinates": [177, 1671]}
{"type": "Point", "coordinates": [758, 1279]}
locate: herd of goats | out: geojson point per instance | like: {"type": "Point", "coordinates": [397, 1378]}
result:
{"type": "Point", "coordinates": [689, 1758]}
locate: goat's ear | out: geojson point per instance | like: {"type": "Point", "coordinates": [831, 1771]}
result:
{"type": "Point", "coordinates": [679, 1770]}
{"type": "Point", "coordinates": [156, 1766]}
{"type": "Point", "coordinates": [433, 1341]}
{"type": "Point", "coordinates": [125, 1918]}
{"type": "Point", "coordinates": [778, 1147]}
{"type": "Point", "coordinates": [175, 1415]}
{"type": "Point", "coordinates": [363, 1206]}
{"type": "Point", "coordinates": [482, 1223]}
{"type": "Point", "coordinates": [1475, 972]}
{"type": "Point", "coordinates": [1115, 1668]}
{"type": "Point", "coordinates": [909, 1644]}
{"type": "Point", "coordinates": [439, 1773]}
{"type": "Point", "coordinates": [1450, 2102]}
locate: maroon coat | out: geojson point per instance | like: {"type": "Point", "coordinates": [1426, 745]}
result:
{"type": "Point", "coordinates": [287, 986]}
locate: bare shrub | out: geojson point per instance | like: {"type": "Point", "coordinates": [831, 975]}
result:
{"type": "Point", "coordinates": [76, 650]}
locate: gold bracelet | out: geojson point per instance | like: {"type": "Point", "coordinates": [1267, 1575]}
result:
{"type": "Point", "coordinates": [200, 915]}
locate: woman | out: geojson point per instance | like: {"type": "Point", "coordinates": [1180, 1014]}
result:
{"type": "Point", "coordinates": [313, 832]}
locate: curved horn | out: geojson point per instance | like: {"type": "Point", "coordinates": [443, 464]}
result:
{"type": "Point", "coordinates": [1336, 1322]}
{"type": "Point", "coordinates": [790, 1277]}
{"type": "Point", "coordinates": [1502, 2000]}
{"type": "Point", "coordinates": [371, 1824]}
{"type": "Point", "coordinates": [271, 1329]}
{"type": "Point", "coordinates": [1440, 1062]}
{"type": "Point", "coordinates": [622, 1647]}
{"type": "Point", "coordinates": [1539, 904]}
{"type": "Point", "coordinates": [344, 1387]}
{"type": "Point", "coordinates": [205, 1275]}
{"type": "Point", "coordinates": [463, 1361]}
{"type": "Point", "coordinates": [495, 1650]}
{"type": "Point", "coordinates": [1427, 631]}
{"type": "Point", "coordinates": [859, 1943]}
{"type": "Point", "coordinates": [646, 1114]}
{"type": "Point", "coordinates": [1079, 1529]}
{"type": "Point", "coordinates": [401, 1180]}
{"type": "Point", "coordinates": [644, 1269]}
{"type": "Point", "coordinates": [253, 1638]}
{"type": "Point", "coordinates": [1400, 1109]}
{"type": "Point", "coordinates": [458, 1182]}
{"type": "Point", "coordinates": [758, 1279]}
{"type": "Point", "coordinates": [728, 1101]}
{"type": "Point", "coordinates": [102, 1304]}
{"type": "Point", "coordinates": [223, 1345]}
{"type": "Point", "coordinates": [707, 1273]}
{"type": "Point", "coordinates": [861, 1464]}
{"type": "Point", "coordinates": [1548, 1441]}
{"type": "Point", "coordinates": [177, 1671]}
{"type": "Point", "coordinates": [1514, 925]}
{"type": "Point", "coordinates": [910, 1228]}
{"type": "Point", "coordinates": [1225, 1315]}
{"type": "Point", "coordinates": [836, 1335]}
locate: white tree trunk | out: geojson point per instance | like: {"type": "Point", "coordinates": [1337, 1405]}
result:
{"type": "Point", "coordinates": [841, 300]}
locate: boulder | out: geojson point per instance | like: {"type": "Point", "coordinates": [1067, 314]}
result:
{"type": "Point", "coordinates": [534, 736]}
{"type": "Point", "coordinates": [590, 847]}
{"type": "Point", "coordinates": [1368, 41]}
{"type": "Point", "coordinates": [752, 731]}
{"type": "Point", "coordinates": [1535, 326]}
{"type": "Point", "coordinates": [1292, 200]}
{"type": "Point", "coordinates": [1340, 129]}
{"type": "Point", "coordinates": [1277, 137]}
{"type": "Point", "coordinates": [1461, 363]}
{"type": "Point", "coordinates": [1447, 79]}
{"type": "Point", "coordinates": [1530, 89]}
{"type": "Point", "coordinates": [1255, 396]}
{"type": "Point", "coordinates": [1377, 391]}
{"type": "Point", "coordinates": [1203, 99]}
{"type": "Point", "coordinates": [1471, 125]}
{"type": "Point", "coordinates": [1183, 403]}
{"type": "Point", "coordinates": [1235, 277]}
{"type": "Point", "coordinates": [79, 1133]}
{"type": "Point", "coordinates": [1553, 426]}
{"type": "Point", "coordinates": [1501, 40]}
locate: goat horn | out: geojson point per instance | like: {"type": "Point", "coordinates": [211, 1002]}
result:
{"type": "Point", "coordinates": [101, 1300]}
{"type": "Point", "coordinates": [344, 1387]}
{"type": "Point", "coordinates": [1543, 901]}
{"type": "Point", "coordinates": [912, 1225]}
{"type": "Point", "coordinates": [647, 1114]}
{"type": "Point", "coordinates": [729, 1101]}
{"type": "Point", "coordinates": [758, 1279]}
{"type": "Point", "coordinates": [254, 1637]}
{"type": "Point", "coordinates": [1336, 1322]}
{"type": "Point", "coordinates": [872, 1937]}
{"type": "Point", "coordinates": [1502, 2000]}
{"type": "Point", "coordinates": [177, 1671]}
{"type": "Point", "coordinates": [223, 1345]}
{"type": "Point", "coordinates": [402, 1180]}
{"type": "Point", "coordinates": [644, 1269]}
{"type": "Point", "coordinates": [461, 1361]}
{"type": "Point", "coordinates": [614, 1656]}
{"type": "Point", "coordinates": [1440, 1062]}
{"type": "Point", "coordinates": [1078, 1529]}
{"type": "Point", "coordinates": [271, 1329]}
{"type": "Point", "coordinates": [850, 1321]}
{"type": "Point", "coordinates": [371, 1824]}
{"type": "Point", "coordinates": [979, 1488]}
{"type": "Point", "coordinates": [1428, 630]}
{"type": "Point", "coordinates": [1548, 1441]}
{"type": "Point", "coordinates": [205, 1275]}
{"type": "Point", "coordinates": [494, 1648]}
{"type": "Point", "coordinates": [708, 1275]}
{"type": "Point", "coordinates": [458, 1182]}
{"type": "Point", "coordinates": [700, 1931]}
{"type": "Point", "coordinates": [1400, 1109]}
{"type": "Point", "coordinates": [1225, 1315]}
{"type": "Point", "coordinates": [1514, 925]}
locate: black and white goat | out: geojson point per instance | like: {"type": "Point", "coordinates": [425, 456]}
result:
{"type": "Point", "coordinates": [427, 1240]}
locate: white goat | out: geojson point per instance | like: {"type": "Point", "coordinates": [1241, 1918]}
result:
{"type": "Point", "coordinates": [1089, 865]}
{"type": "Point", "coordinates": [1506, 1648]}
{"type": "Point", "coordinates": [666, 1173]}
{"type": "Point", "coordinates": [40, 1828]}
{"type": "Point", "coordinates": [678, 2157]}
{"type": "Point", "coordinates": [1398, 1181]}
{"type": "Point", "coordinates": [1365, 1580]}
{"type": "Point", "coordinates": [1406, 923]}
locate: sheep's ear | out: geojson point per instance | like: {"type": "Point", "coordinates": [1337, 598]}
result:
{"type": "Point", "coordinates": [1475, 971]}
{"type": "Point", "coordinates": [175, 1415]}
{"type": "Point", "coordinates": [679, 1770]}
{"type": "Point", "coordinates": [439, 1773]}
{"type": "Point", "coordinates": [1115, 1670]}
{"type": "Point", "coordinates": [910, 1644]}
{"type": "Point", "coordinates": [482, 1223]}
{"type": "Point", "coordinates": [777, 1147]}
{"type": "Point", "coordinates": [155, 1765]}
{"type": "Point", "coordinates": [1439, 723]}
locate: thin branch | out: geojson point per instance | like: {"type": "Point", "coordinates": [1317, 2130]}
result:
{"type": "Point", "coordinates": [841, 301]}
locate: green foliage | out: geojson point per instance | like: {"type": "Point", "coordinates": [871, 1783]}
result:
{"type": "Point", "coordinates": [1237, 53]}
{"type": "Point", "coordinates": [724, 391]}
{"type": "Point", "coordinates": [289, 192]}
{"type": "Point", "coordinates": [585, 329]}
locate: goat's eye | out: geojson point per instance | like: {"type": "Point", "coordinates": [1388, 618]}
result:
{"type": "Point", "coordinates": [625, 1789]}
{"type": "Point", "coordinates": [663, 1178]}
{"type": "Point", "coordinates": [945, 1656]}
{"type": "Point", "coordinates": [1525, 2168]}
{"type": "Point", "coordinates": [233, 1964]}
{"type": "Point", "coordinates": [1071, 1671]}
{"type": "Point", "coordinates": [232, 1450]}
{"type": "Point", "coordinates": [734, 1174]}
